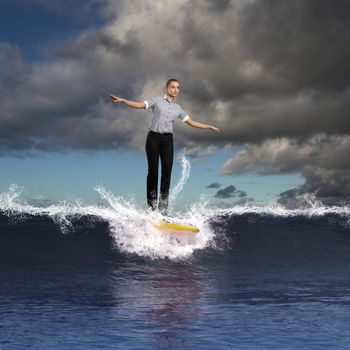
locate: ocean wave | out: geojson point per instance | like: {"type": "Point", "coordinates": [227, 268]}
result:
{"type": "Point", "coordinates": [128, 224]}
{"type": "Point", "coordinates": [130, 228]}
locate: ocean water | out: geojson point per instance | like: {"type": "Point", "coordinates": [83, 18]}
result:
{"type": "Point", "coordinates": [75, 276]}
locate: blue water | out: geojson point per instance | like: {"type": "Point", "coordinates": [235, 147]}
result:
{"type": "Point", "coordinates": [255, 280]}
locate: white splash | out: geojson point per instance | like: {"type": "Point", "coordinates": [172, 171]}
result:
{"type": "Point", "coordinates": [312, 208]}
{"type": "Point", "coordinates": [129, 225]}
{"type": "Point", "coordinates": [185, 174]}
{"type": "Point", "coordinates": [133, 233]}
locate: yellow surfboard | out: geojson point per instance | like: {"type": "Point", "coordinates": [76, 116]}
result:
{"type": "Point", "coordinates": [173, 227]}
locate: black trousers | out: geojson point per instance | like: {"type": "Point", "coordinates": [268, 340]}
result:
{"type": "Point", "coordinates": [159, 146]}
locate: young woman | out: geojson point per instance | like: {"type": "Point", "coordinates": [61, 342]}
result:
{"type": "Point", "coordinates": [159, 143]}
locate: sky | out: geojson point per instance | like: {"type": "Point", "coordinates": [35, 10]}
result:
{"type": "Point", "coordinates": [272, 74]}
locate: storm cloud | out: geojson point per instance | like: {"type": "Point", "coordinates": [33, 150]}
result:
{"type": "Point", "coordinates": [323, 160]}
{"type": "Point", "coordinates": [273, 74]}
{"type": "Point", "coordinates": [230, 192]}
{"type": "Point", "coordinates": [227, 192]}
{"type": "Point", "coordinates": [214, 185]}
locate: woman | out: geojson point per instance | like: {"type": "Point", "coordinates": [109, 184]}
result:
{"type": "Point", "coordinates": [159, 141]}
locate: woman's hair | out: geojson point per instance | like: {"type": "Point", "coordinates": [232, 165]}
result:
{"type": "Point", "coordinates": [171, 80]}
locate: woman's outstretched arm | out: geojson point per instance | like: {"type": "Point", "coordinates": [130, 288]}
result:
{"type": "Point", "coordinates": [195, 124]}
{"type": "Point", "coordinates": [133, 104]}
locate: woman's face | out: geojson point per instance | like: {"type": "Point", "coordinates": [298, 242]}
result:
{"type": "Point", "coordinates": [173, 89]}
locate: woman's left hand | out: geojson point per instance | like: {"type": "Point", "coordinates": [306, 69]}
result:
{"type": "Point", "coordinates": [214, 128]}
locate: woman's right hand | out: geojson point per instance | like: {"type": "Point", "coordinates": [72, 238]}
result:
{"type": "Point", "coordinates": [116, 98]}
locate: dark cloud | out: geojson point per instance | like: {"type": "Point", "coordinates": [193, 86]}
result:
{"type": "Point", "coordinates": [102, 41]}
{"type": "Point", "coordinates": [331, 187]}
{"type": "Point", "coordinates": [64, 104]}
{"type": "Point", "coordinates": [11, 62]}
{"type": "Point", "coordinates": [289, 75]}
{"type": "Point", "coordinates": [258, 69]}
{"type": "Point", "coordinates": [214, 185]}
{"type": "Point", "coordinates": [218, 6]}
{"type": "Point", "coordinates": [300, 41]}
{"type": "Point", "coordinates": [326, 176]}
{"type": "Point", "coordinates": [229, 192]}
